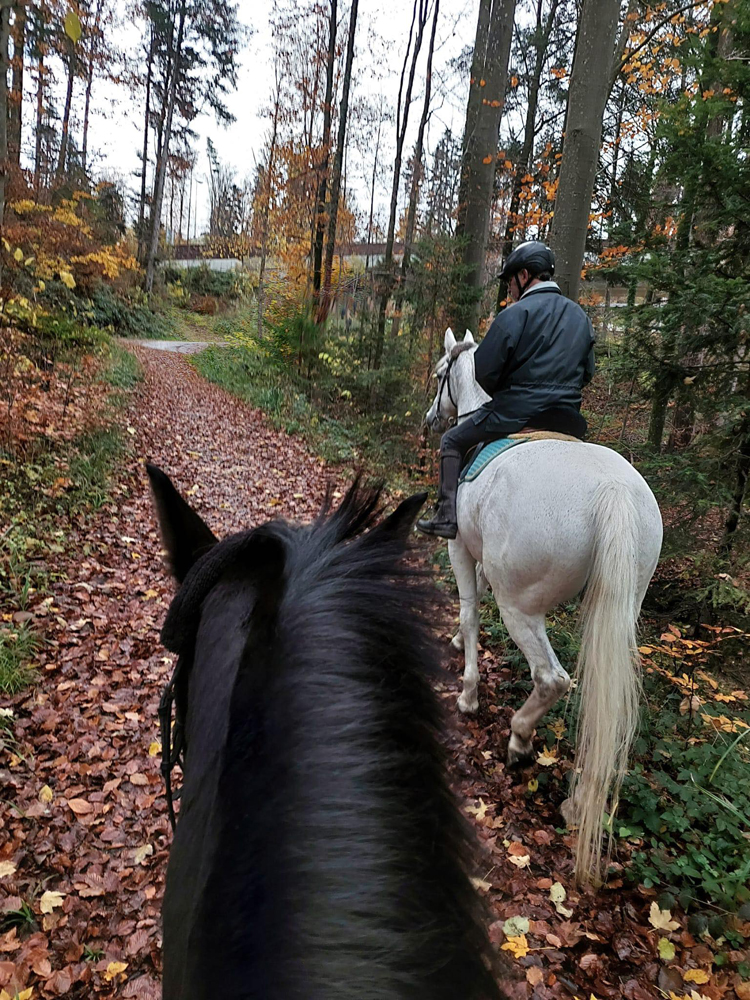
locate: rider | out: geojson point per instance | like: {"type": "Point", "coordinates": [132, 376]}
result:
{"type": "Point", "coordinates": [534, 361]}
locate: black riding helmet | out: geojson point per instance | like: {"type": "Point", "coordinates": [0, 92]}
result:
{"type": "Point", "coordinates": [534, 256]}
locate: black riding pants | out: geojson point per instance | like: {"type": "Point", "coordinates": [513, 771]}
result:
{"type": "Point", "coordinates": [459, 440]}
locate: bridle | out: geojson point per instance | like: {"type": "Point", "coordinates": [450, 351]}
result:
{"type": "Point", "coordinates": [445, 384]}
{"type": "Point", "coordinates": [172, 739]}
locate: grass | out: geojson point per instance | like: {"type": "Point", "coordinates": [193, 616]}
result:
{"type": "Point", "coordinates": [18, 643]}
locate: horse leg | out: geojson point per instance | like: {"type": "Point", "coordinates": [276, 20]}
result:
{"type": "Point", "coordinates": [482, 584]}
{"type": "Point", "coordinates": [464, 569]}
{"type": "Point", "coordinates": [550, 680]}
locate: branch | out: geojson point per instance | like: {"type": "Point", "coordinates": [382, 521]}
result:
{"type": "Point", "coordinates": [622, 61]}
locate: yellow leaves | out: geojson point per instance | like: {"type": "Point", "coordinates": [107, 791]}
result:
{"type": "Point", "coordinates": [479, 812]}
{"type": "Point", "coordinates": [23, 995]}
{"type": "Point", "coordinates": [45, 794]}
{"type": "Point", "coordinates": [154, 749]}
{"type": "Point", "coordinates": [18, 255]}
{"type": "Point", "coordinates": [558, 895]}
{"type": "Point", "coordinates": [114, 970]}
{"type": "Point", "coordinates": [533, 785]}
{"type": "Point", "coordinates": [666, 950]}
{"type": "Point", "coordinates": [547, 758]}
{"type": "Point", "coordinates": [517, 946]}
{"type": "Point", "coordinates": [518, 855]}
{"type": "Point", "coordinates": [51, 901]}
{"type": "Point", "coordinates": [723, 723]}
{"type": "Point", "coordinates": [7, 868]}
{"type": "Point", "coordinates": [142, 853]}
{"type": "Point", "coordinates": [73, 27]}
{"type": "Point", "coordinates": [558, 728]}
{"type": "Point", "coordinates": [699, 976]}
{"type": "Point", "coordinates": [661, 919]}
{"type": "Point", "coordinates": [68, 280]}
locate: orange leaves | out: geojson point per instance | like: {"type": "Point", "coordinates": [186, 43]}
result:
{"type": "Point", "coordinates": [559, 74]}
{"type": "Point", "coordinates": [487, 159]}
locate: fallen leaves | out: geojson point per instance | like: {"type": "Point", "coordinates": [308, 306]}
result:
{"type": "Point", "coordinates": [661, 919]}
{"type": "Point", "coordinates": [517, 946]}
{"type": "Point", "coordinates": [50, 901]}
{"type": "Point", "coordinates": [7, 868]}
{"type": "Point", "coordinates": [558, 895]}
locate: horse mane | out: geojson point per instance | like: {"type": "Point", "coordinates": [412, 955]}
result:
{"type": "Point", "coordinates": [461, 347]}
{"type": "Point", "coordinates": [339, 862]}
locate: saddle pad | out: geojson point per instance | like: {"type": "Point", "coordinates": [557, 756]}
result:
{"type": "Point", "coordinates": [487, 454]}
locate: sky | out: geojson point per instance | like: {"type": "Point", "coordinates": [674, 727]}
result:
{"type": "Point", "coordinates": [117, 121]}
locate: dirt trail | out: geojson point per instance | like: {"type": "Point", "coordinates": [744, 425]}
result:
{"type": "Point", "coordinates": [85, 816]}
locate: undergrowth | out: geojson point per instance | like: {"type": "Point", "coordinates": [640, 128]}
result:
{"type": "Point", "coordinates": [683, 819]}
{"type": "Point", "coordinates": [39, 496]}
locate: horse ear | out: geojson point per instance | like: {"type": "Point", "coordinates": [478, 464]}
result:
{"type": "Point", "coordinates": [184, 533]}
{"type": "Point", "coordinates": [468, 338]}
{"type": "Point", "coordinates": [450, 340]}
{"type": "Point", "coordinates": [401, 521]}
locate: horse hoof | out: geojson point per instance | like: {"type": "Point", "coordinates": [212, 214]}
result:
{"type": "Point", "coordinates": [467, 706]}
{"type": "Point", "coordinates": [458, 642]}
{"type": "Point", "coordinates": [519, 754]}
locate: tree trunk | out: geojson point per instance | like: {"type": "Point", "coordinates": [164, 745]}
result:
{"type": "Point", "coordinates": [659, 404]}
{"type": "Point", "coordinates": [323, 166]}
{"type": "Point", "coordinates": [590, 85]}
{"type": "Point", "coordinates": [267, 207]}
{"type": "Point", "coordinates": [144, 163]}
{"type": "Point", "coordinates": [4, 61]}
{"type": "Point", "coordinates": [411, 214]}
{"type": "Point", "coordinates": [16, 98]}
{"type": "Point", "coordinates": [89, 83]}
{"type": "Point", "coordinates": [325, 303]}
{"type": "Point", "coordinates": [419, 16]}
{"type": "Point", "coordinates": [39, 122]}
{"type": "Point", "coordinates": [60, 171]}
{"type": "Point", "coordinates": [161, 166]}
{"type": "Point", "coordinates": [489, 75]}
{"type": "Point", "coordinates": [372, 194]}
{"type": "Point", "coordinates": [542, 37]}
{"type": "Point", "coordinates": [743, 472]}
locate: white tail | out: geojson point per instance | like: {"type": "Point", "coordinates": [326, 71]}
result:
{"type": "Point", "coordinates": [608, 671]}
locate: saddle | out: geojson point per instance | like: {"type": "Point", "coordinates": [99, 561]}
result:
{"type": "Point", "coordinates": [485, 453]}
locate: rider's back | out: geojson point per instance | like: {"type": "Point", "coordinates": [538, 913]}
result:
{"type": "Point", "coordinates": [537, 354]}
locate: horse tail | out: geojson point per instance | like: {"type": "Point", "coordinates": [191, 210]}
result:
{"type": "Point", "coordinates": [608, 671]}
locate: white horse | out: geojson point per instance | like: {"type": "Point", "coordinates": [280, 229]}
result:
{"type": "Point", "coordinates": [542, 522]}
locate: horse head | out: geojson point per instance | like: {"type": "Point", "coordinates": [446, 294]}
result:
{"type": "Point", "coordinates": [455, 382]}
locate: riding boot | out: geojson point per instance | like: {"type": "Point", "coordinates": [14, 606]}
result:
{"type": "Point", "coordinates": [443, 522]}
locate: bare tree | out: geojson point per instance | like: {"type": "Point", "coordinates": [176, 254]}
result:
{"type": "Point", "coordinates": [325, 153]}
{"type": "Point", "coordinates": [15, 110]}
{"type": "Point", "coordinates": [325, 303]}
{"type": "Point", "coordinates": [419, 16]}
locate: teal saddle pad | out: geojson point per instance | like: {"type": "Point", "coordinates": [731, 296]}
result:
{"type": "Point", "coordinates": [487, 453]}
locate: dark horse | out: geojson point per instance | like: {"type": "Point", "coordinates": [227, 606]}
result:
{"type": "Point", "coordinates": [319, 854]}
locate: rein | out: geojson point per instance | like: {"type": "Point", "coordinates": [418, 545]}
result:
{"type": "Point", "coordinates": [445, 383]}
{"type": "Point", "coordinates": [172, 740]}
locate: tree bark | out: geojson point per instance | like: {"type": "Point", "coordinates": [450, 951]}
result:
{"type": "Point", "coordinates": [39, 122]}
{"type": "Point", "coordinates": [59, 172]}
{"type": "Point", "coordinates": [267, 206]}
{"type": "Point", "coordinates": [325, 303]}
{"type": "Point", "coordinates": [590, 85]}
{"type": "Point", "coordinates": [489, 76]}
{"type": "Point", "coordinates": [4, 63]}
{"type": "Point", "coordinates": [411, 214]}
{"type": "Point", "coordinates": [90, 82]}
{"type": "Point", "coordinates": [323, 166]}
{"type": "Point", "coordinates": [144, 154]}
{"type": "Point", "coordinates": [161, 166]}
{"type": "Point", "coordinates": [16, 98]}
{"type": "Point", "coordinates": [372, 193]}
{"type": "Point", "coordinates": [419, 16]}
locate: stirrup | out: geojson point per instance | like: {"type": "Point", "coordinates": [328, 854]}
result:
{"type": "Point", "coordinates": [442, 529]}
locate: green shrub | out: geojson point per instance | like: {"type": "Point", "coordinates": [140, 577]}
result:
{"type": "Point", "coordinates": [127, 316]}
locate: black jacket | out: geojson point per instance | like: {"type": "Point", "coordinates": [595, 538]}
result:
{"type": "Point", "coordinates": [537, 355]}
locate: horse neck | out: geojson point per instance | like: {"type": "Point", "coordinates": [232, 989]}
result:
{"type": "Point", "coordinates": [337, 860]}
{"type": "Point", "coordinates": [469, 394]}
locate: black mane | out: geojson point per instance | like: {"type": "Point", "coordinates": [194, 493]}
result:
{"type": "Point", "coordinates": [319, 853]}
